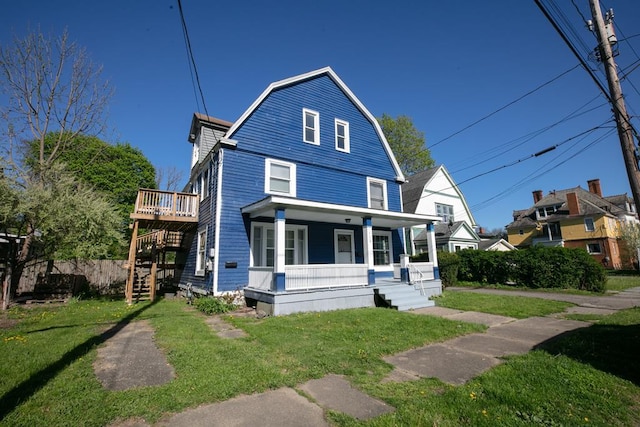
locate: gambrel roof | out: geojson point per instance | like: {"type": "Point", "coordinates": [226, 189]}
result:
{"type": "Point", "coordinates": [333, 76]}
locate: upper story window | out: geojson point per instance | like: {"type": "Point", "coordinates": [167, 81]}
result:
{"type": "Point", "coordinates": [445, 211]}
{"type": "Point", "coordinates": [201, 256]}
{"type": "Point", "coordinates": [342, 136]}
{"type": "Point", "coordinates": [204, 189]}
{"type": "Point", "coordinates": [280, 178]}
{"type": "Point", "coordinates": [589, 225]}
{"type": "Point", "coordinates": [546, 211]}
{"type": "Point", "coordinates": [311, 126]}
{"type": "Point", "coordinates": [377, 193]}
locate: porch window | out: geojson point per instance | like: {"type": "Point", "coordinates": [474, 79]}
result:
{"type": "Point", "coordinates": [382, 254]}
{"type": "Point", "coordinates": [377, 193]}
{"type": "Point", "coordinates": [280, 178]}
{"type": "Point", "coordinates": [445, 211]}
{"type": "Point", "coordinates": [311, 126]}
{"type": "Point", "coordinates": [201, 257]}
{"type": "Point", "coordinates": [264, 243]}
{"type": "Point", "coordinates": [342, 136]}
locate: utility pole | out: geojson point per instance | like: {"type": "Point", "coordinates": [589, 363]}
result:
{"type": "Point", "coordinates": [625, 131]}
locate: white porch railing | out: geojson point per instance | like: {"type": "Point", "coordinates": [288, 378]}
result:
{"type": "Point", "coordinates": [417, 271]}
{"type": "Point", "coordinates": [311, 276]}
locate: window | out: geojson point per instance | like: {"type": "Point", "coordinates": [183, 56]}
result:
{"type": "Point", "coordinates": [264, 243]}
{"type": "Point", "coordinates": [204, 188]}
{"type": "Point", "coordinates": [589, 225]}
{"type": "Point", "coordinates": [382, 254]}
{"type": "Point", "coordinates": [280, 178]}
{"type": "Point", "coordinates": [546, 211]}
{"type": "Point", "coordinates": [445, 211]}
{"type": "Point", "coordinates": [377, 193]}
{"type": "Point", "coordinates": [311, 126]}
{"type": "Point", "coordinates": [521, 232]}
{"type": "Point", "coordinates": [201, 257]}
{"type": "Point", "coordinates": [594, 248]}
{"type": "Point", "coordinates": [342, 136]}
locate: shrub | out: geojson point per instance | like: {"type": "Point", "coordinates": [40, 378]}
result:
{"type": "Point", "coordinates": [448, 263]}
{"type": "Point", "coordinates": [212, 305]}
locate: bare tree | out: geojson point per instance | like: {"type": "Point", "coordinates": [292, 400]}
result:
{"type": "Point", "coordinates": [169, 178]}
{"type": "Point", "coordinates": [55, 93]}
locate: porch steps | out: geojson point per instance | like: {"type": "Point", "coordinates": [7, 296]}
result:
{"type": "Point", "coordinates": [401, 296]}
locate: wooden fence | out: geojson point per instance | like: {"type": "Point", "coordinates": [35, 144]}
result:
{"type": "Point", "coordinates": [106, 277]}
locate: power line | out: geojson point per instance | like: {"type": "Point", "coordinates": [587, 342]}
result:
{"type": "Point", "coordinates": [504, 107]}
{"type": "Point", "coordinates": [185, 32]}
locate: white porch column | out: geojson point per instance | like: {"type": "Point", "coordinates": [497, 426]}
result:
{"type": "Point", "coordinates": [367, 241]}
{"type": "Point", "coordinates": [279, 250]}
{"type": "Point", "coordinates": [433, 254]}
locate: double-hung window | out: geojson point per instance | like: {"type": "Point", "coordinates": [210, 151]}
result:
{"type": "Point", "coordinates": [201, 256]}
{"type": "Point", "coordinates": [445, 211]}
{"type": "Point", "coordinates": [377, 193]}
{"type": "Point", "coordinates": [311, 126]}
{"type": "Point", "coordinates": [263, 245]}
{"type": "Point", "coordinates": [280, 178]}
{"type": "Point", "coordinates": [382, 254]}
{"type": "Point", "coordinates": [342, 136]}
{"type": "Point", "coordinates": [589, 225]}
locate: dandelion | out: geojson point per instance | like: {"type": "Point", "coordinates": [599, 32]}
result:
{"type": "Point", "coordinates": [473, 395]}
{"type": "Point", "coordinates": [484, 412]}
{"type": "Point", "coordinates": [586, 419]}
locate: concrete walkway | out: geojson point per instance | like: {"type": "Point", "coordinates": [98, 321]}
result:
{"type": "Point", "coordinates": [455, 361]}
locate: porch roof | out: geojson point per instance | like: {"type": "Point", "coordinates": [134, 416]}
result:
{"type": "Point", "coordinates": [340, 214]}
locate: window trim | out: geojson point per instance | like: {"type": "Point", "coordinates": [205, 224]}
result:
{"type": "Point", "coordinates": [371, 180]}
{"type": "Point", "coordinates": [347, 141]}
{"type": "Point", "coordinates": [201, 252]}
{"type": "Point", "coordinates": [593, 224]}
{"type": "Point", "coordinates": [267, 177]}
{"type": "Point", "coordinates": [265, 226]}
{"type": "Point", "coordinates": [316, 126]}
{"type": "Point", "coordinates": [389, 235]}
{"type": "Point", "coordinates": [599, 247]}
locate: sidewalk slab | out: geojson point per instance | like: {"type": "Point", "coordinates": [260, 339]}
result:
{"type": "Point", "coordinates": [490, 345]}
{"type": "Point", "coordinates": [224, 329]}
{"type": "Point", "coordinates": [130, 359]}
{"type": "Point", "coordinates": [481, 318]}
{"type": "Point", "coordinates": [283, 408]}
{"type": "Point", "coordinates": [535, 330]}
{"type": "Point", "coordinates": [335, 393]}
{"type": "Point", "coordinates": [437, 311]}
{"type": "Point", "coordinates": [590, 310]}
{"type": "Point", "coordinates": [450, 365]}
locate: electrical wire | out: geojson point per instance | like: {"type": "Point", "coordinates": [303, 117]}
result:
{"type": "Point", "coordinates": [185, 33]}
{"type": "Point", "coordinates": [505, 106]}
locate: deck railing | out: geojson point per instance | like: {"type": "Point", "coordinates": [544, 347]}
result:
{"type": "Point", "coordinates": [167, 203]}
{"type": "Point", "coordinates": [311, 276]}
{"type": "Point", "coordinates": [162, 238]}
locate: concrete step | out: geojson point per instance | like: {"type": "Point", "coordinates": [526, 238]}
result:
{"type": "Point", "coordinates": [407, 307]}
{"type": "Point", "coordinates": [403, 297]}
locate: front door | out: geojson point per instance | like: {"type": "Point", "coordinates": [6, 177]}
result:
{"type": "Point", "coordinates": [345, 251]}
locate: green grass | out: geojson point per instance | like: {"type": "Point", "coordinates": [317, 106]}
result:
{"type": "Point", "coordinates": [504, 305]}
{"type": "Point", "coordinates": [587, 378]}
{"type": "Point", "coordinates": [620, 283]}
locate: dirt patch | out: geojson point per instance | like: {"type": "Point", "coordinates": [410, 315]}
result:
{"type": "Point", "coordinates": [6, 323]}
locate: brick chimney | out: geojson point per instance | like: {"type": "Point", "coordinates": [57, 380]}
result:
{"type": "Point", "coordinates": [572, 202]}
{"type": "Point", "coordinates": [537, 196]}
{"type": "Point", "coordinates": [594, 187]}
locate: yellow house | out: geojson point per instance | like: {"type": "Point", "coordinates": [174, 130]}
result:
{"type": "Point", "coordinates": [575, 218]}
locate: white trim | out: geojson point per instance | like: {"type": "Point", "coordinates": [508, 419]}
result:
{"type": "Point", "coordinates": [384, 192]}
{"type": "Point", "coordinates": [347, 141]}
{"type": "Point", "coordinates": [201, 259]}
{"type": "Point", "coordinates": [316, 126]}
{"type": "Point", "coordinates": [335, 245]}
{"type": "Point", "coordinates": [593, 224]}
{"type": "Point", "coordinates": [383, 267]}
{"type": "Point", "coordinates": [216, 237]}
{"type": "Point", "coordinates": [265, 226]}
{"type": "Point", "coordinates": [267, 177]}
{"type": "Point", "coordinates": [327, 70]}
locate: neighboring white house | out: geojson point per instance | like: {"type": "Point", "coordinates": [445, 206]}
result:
{"type": "Point", "coordinates": [434, 192]}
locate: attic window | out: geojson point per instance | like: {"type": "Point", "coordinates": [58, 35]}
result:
{"type": "Point", "coordinates": [342, 136]}
{"type": "Point", "coordinates": [311, 126]}
{"type": "Point", "coordinates": [546, 211]}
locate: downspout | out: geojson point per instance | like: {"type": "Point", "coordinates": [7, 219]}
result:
{"type": "Point", "coordinates": [216, 239]}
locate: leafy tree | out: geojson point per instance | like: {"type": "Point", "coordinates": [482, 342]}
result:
{"type": "Point", "coordinates": [630, 236]}
{"type": "Point", "coordinates": [407, 143]}
{"type": "Point", "coordinates": [117, 171]}
{"type": "Point", "coordinates": [53, 91]}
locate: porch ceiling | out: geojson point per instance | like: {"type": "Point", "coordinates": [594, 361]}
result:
{"type": "Point", "coordinates": [338, 214]}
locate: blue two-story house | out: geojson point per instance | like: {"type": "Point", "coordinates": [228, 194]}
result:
{"type": "Point", "coordinates": [300, 201]}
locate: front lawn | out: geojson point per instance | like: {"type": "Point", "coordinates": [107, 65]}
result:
{"type": "Point", "coordinates": [47, 376]}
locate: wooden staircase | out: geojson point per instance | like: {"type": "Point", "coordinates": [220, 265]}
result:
{"type": "Point", "coordinates": [167, 216]}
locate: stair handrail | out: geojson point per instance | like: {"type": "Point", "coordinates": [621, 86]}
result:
{"type": "Point", "coordinates": [414, 269]}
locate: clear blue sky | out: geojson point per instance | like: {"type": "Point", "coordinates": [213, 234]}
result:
{"type": "Point", "coordinates": [444, 64]}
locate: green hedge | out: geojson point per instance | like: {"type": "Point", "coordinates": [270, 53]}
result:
{"type": "Point", "coordinates": [535, 267]}
{"type": "Point", "coordinates": [448, 264]}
